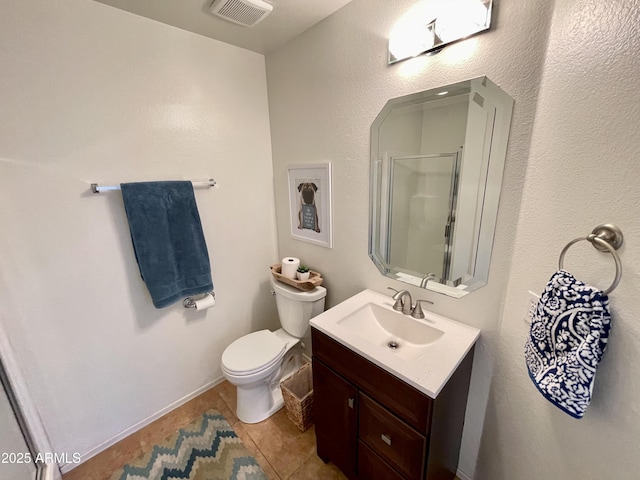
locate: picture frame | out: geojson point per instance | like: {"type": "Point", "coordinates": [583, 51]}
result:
{"type": "Point", "coordinates": [310, 203]}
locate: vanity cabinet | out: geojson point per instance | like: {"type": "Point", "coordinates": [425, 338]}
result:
{"type": "Point", "coordinates": [338, 416]}
{"type": "Point", "coordinates": [374, 426]}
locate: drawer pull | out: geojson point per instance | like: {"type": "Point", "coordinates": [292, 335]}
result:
{"type": "Point", "coordinates": [351, 402]}
{"type": "Point", "coordinates": [386, 439]}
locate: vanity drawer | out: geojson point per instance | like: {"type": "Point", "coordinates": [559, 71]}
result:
{"type": "Point", "coordinates": [392, 439]}
{"type": "Point", "coordinates": [372, 467]}
{"type": "Point", "coordinates": [402, 399]}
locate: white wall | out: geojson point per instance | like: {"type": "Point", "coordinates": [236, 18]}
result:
{"type": "Point", "coordinates": [325, 89]}
{"type": "Point", "coordinates": [89, 93]}
{"type": "Point", "coordinates": [583, 170]}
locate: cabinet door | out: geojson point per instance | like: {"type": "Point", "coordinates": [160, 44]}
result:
{"type": "Point", "coordinates": [335, 406]}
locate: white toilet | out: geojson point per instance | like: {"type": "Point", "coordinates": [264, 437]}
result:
{"type": "Point", "coordinates": [257, 362]}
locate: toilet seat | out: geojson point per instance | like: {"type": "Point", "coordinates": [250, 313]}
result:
{"type": "Point", "coordinates": [253, 353]}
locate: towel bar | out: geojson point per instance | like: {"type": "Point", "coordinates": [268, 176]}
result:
{"type": "Point", "coordinates": [606, 238]}
{"type": "Point", "coordinates": [95, 188]}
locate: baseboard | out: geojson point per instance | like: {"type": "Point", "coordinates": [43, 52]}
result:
{"type": "Point", "coordinates": [463, 476]}
{"type": "Point", "coordinates": [122, 435]}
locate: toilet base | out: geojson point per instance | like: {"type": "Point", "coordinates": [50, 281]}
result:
{"type": "Point", "coordinates": [257, 403]}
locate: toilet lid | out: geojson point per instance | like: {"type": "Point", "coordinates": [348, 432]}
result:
{"type": "Point", "coordinates": [253, 352]}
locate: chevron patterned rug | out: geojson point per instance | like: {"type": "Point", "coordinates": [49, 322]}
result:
{"type": "Point", "coordinates": [206, 449]}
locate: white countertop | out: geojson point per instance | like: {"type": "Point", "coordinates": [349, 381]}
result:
{"type": "Point", "coordinates": [430, 371]}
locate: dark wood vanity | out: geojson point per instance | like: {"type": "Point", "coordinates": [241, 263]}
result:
{"type": "Point", "coordinates": [374, 426]}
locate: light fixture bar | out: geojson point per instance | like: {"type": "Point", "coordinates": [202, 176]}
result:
{"type": "Point", "coordinates": [452, 21]}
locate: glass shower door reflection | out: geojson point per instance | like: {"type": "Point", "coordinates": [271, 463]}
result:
{"type": "Point", "coordinates": [422, 213]}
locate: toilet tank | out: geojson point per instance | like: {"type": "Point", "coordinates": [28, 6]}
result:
{"type": "Point", "coordinates": [297, 307]}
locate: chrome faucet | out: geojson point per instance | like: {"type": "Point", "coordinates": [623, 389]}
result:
{"type": "Point", "coordinates": [401, 304]}
{"type": "Point", "coordinates": [426, 278]}
{"type": "Point", "coordinates": [417, 310]}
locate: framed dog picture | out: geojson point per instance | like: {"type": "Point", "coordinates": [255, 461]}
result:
{"type": "Point", "coordinates": [310, 203]}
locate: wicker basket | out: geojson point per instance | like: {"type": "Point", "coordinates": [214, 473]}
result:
{"type": "Point", "coordinates": [297, 392]}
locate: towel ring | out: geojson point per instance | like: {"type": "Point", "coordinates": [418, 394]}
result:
{"type": "Point", "coordinates": [606, 238]}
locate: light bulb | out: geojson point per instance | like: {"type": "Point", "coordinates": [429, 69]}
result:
{"type": "Point", "coordinates": [460, 18]}
{"type": "Point", "coordinates": [410, 40]}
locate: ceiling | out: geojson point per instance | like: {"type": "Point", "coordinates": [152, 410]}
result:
{"type": "Point", "coordinates": [288, 19]}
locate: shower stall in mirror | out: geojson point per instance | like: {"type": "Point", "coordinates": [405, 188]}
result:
{"type": "Point", "coordinates": [422, 193]}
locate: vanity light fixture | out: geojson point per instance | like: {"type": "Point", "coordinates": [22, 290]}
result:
{"type": "Point", "coordinates": [432, 24]}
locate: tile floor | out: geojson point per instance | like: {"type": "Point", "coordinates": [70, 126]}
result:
{"type": "Point", "coordinates": [282, 450]}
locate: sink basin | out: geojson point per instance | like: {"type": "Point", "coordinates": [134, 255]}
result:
{"type": "Point", "coordinates": [422, 352]}
{"type": "Point", "coordinates": [404, 335]}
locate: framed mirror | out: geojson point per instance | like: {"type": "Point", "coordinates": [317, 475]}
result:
{"type": "Point", "coordinates": [437, 159]}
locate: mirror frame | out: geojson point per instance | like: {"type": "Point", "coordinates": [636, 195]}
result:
{"type": "Point", "coordinates": [495, 167]}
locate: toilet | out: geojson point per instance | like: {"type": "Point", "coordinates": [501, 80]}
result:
{"type": "Point", "coordinates": [257, 362]}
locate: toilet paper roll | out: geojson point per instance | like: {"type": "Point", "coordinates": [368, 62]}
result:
{"type": "Point", "coordinates": [289, 266]}
{"type": "Point", "coordinates": [205, 302]}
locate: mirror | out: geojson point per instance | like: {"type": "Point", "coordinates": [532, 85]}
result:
{"type": "Point", "coordinates": [437, 159]}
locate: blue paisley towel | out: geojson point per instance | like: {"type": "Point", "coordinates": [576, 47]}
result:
{"type": "Point", "coordinates": [569, 332]}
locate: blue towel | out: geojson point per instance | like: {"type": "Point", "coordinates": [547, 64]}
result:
{"type": "Point", "coordinates": [569, 333]}
{"type": "Point", "coordinates": [167, 239]}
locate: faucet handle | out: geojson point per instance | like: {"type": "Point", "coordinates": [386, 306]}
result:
{"type": "Point", "coordinates": [417, 310]}
{"type": "Point", "coordinates": [398, 298]}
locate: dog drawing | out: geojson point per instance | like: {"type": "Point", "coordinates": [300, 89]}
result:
{"type": "Point", "coordinates": [307, 210]}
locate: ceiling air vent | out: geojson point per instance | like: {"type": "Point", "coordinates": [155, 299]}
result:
{"type": "Point", "coordinates": [243, 12]}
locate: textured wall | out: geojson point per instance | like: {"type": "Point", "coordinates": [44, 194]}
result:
{"type": "Point", "coordinates": [325, 89]}
{"type": "Point", "coordinates": [89, 93]}
{"type": "Point", "coordinates": [583, 170]}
